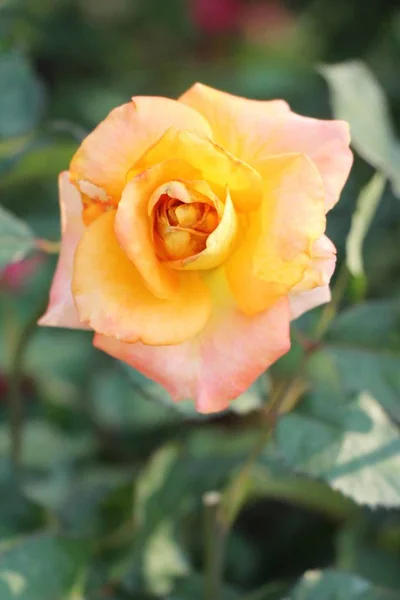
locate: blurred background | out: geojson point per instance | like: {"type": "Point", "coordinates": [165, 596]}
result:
{"type": "Point", "coordinates": [111, 475]}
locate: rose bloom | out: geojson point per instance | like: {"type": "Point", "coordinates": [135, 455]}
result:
{"type": "Point", "coordinates": [193, 232]}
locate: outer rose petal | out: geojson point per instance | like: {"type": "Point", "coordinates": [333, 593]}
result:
{"type": "Point", "coordinates": [133, 226]}
{"type": "Point", "coordinates": [239, 125]}
{"type": "Point", "coordinates": [314, 290]}
{"type": "Point", "coordinates": [219, 364]}
{"type": "Point", "coordinates": [321, 269]}
{"type": "Point", "coordinates": [61, 311]}
{"type": "Point", "coordinates": [305, 301]}
{"type": "Point", "coordinates": [276, 248]}
{"type": "Point", "coordinates": [253, 130]}
{"type": "Point", "coordinates": [325, 142]}
{"type": "Point", "coordinates": [107, 154]}
{"type": "Point", "coordinates": [112, 298]}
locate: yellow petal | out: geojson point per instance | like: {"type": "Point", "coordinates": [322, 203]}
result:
{"type": "Point", "coordinates": [276, 248]}
{"type": "Point", "coordinates": [133, 224]}
{"type": "Point", "coordinates": [110, 151]}
{"type": "Point", "coordinates": [217, 167]}
{"type": "Point", "coordinates": [239, 125]}
{"type": "Point", "coordinates": [252, 130]}
{"type": "Point", "coordinates": [112, 298]}
{"type": "Point", "coordinates": [321, 267]}
{"type": "Point", "coordinates": [221, 362]}
{"type": "Point", "coordinates": [219, 245]}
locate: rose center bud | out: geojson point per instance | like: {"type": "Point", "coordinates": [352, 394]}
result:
{"type": "Point", "coordinates": [182, 229]}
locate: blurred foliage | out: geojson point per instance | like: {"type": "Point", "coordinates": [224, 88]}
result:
{"type": "Point", "coordinates": [107, 504]}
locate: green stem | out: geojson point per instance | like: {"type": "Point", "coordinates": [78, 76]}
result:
{"type": "Point", "coordinates": [236, 492]}
{"type": "Point", "coordinates": [214, 547]}
{"type": "Point", "coordinates": [221, 511]}
{"type": "Point", "coordinates": [15, 380]}
{"type": "Point", "coordinates": [48, 246]}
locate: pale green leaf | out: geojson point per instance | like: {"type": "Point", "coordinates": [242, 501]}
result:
{"type": "Point", "coordinates": [163, 560]}
{"type": "Point", "coordinates": [358, 98]}
{"type": "Point", "coordinates": [151, 481]}
{"type": "Point", "coordinates": [367, 205]}
{"type": "Point", "coordinates": [347, 441]}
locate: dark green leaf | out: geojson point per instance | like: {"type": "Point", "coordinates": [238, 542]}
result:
{"type": "Point", "coordinates": [364, 343]}
{"type": "Point", "coordinates": [22, 95]}
{"type": "Point", "coordinates": [44, 446]}
{"type": "Point", "coordinates": [18, 514]}
{"type": "Point", "coordinates": [44, 567]}
{"type": "Point", "coordinates": [193, 588]}
{"type": "Point", "coordinates": [336, 585]}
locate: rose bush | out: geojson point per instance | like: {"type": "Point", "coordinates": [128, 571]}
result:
{"type": "Point", "coordinates": [193, 232]}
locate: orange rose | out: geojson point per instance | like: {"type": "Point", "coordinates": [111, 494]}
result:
{"type": "Point", "coordinates": [193, 231]}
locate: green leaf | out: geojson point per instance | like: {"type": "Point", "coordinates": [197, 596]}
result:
{"type": "Point", "coordinates": [349, 442]}
{"type": "Point", "coordinates": [193, 587]}
{"type": "Point", "coordinates": [136, 404]}
{"type": "Point", "coordinates": [41, 158]}
{"type": "Point", "coordinates": [43, 446]}
{"type": "Point", "coordinates": [336, 585]}
{"type": "Point", "coordinates": [16, 238]}
{"type": "Point", "coordinates": [152, 502]}
{"type": "Point", "coordinates": [271, 591]}
{"type": "Point", "coordinates": [253, 398]}
{"type": "Point", "coordinates": [43, 567]}
{"type": "Point", "coordinates": [358, 552]}
{"type": "Point", "coordinates": [58, 361]}
{"type": "Point", "coordinates": [364, 343]}
{"type": "Point", "coordinates": [367, 204]}
{"type": "Point", "coordinates": [18, 514]}
{"type": "Point", "coordinates": [358, 98]}
{"type": "Point", "coordinates": [163, 560]}
{"type": "Point", "coordinates": [22, 95]}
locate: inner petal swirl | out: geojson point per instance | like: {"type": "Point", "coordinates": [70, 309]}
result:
{"type": "Point", "coordinates": [183, 219]}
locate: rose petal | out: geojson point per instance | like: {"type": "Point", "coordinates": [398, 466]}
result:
{"type": "Point", "coordinates": [322, 266]}
{"type": "Point", "coordinates": [313, 290]}
{"type": "Point", "coordinates": [219, 245]}
{"type": "Point", "coordinates": [133, 226]}
{"type": "Point", "coordinates": [253, 130]}
{"type": "Point", "coordinates": [61, 311]}
{"type": "Point", "coordinates": [112, 298]}
{"type": "Point", "coordinates": [219, 168]}
{"type": "Point", "coordinates": [276, 248]}
{"type": "Point", "coordinates": [239, 125]}
{"type": "Point", "coordinates": [220, 363]}
{"type": "Point", "coordinates": [325, 142]}
{"type": "Point", "coordinates": [304, 301]}
{"type": "Point", "coordinates": [107, 154]}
